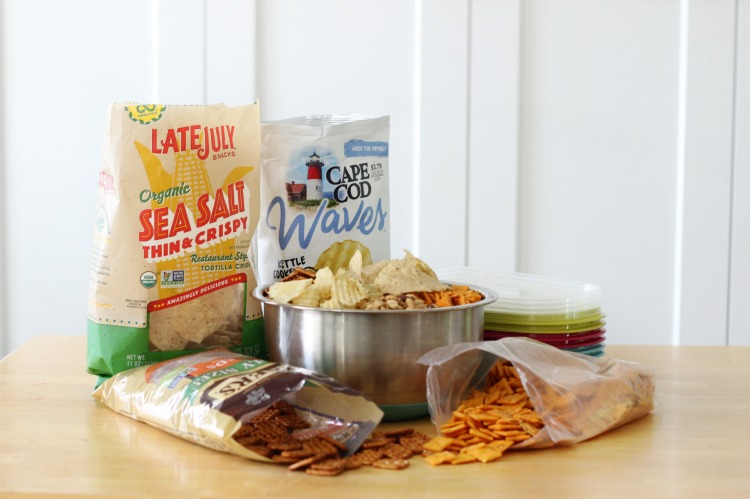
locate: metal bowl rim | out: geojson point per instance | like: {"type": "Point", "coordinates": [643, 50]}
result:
{"type": "Point", "coordinates": [489, 297]}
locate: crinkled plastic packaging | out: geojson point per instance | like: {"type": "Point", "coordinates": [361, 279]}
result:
{"type": "Point", "coordinates": [324, 193]}
{"type": "Point", "coordinates": [578, 397]}
{"type": "Point", "coordinates": [207, 396]}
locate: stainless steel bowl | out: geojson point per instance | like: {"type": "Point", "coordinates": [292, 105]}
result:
{"type": "Point", "coordinates": [373, 351]}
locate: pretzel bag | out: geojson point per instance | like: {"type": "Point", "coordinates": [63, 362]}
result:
{"type": "Point", "coordinates": [238, 404]}
{"type": "Point", "coordinates": [577, 396]}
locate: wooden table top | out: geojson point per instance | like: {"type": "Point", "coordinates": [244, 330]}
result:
{"type": "Point", "coordinates": [55, 439]}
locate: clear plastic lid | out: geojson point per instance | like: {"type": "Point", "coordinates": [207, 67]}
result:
{"type": "Point", "coordinates": [532, 296]}
{"type": "Point", "coordinates": [542, 328]}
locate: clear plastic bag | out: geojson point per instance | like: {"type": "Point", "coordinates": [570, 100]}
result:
{"type": "Point", "coordinates": [577, 396]}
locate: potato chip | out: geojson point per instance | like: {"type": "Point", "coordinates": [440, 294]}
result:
{"type": "Point", "coordinates": [346, 291]}
{"type": "Point", "coordinates": [356, 264]}
{"type": "Point", "coordinates": [349, 291]}
{"type": "Point", "coordinates": [310, 297]}
{"type": "Point", "coordinates": [339, 254]}
{"type": "Point", "coordinates": [332, 304]}
{"type": "Point", "coordinates": [285, 292]}
{"type": "Point", "coordinates": [323, 282]}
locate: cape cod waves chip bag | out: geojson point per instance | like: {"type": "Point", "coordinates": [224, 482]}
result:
{"type": "Point", "coordinates": [324, 193]}
{"type": "Point", "coordinates": [172, 268]}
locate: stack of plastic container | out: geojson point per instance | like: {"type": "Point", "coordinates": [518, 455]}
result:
{"type": "Point", "coordinates": [562, 313]}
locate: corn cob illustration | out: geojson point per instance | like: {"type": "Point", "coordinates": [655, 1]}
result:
{"type": "Point", "coordinates": [189, 170]}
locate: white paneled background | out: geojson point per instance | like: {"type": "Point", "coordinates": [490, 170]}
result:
{"type": "Point", "coordinates": [604, 141]}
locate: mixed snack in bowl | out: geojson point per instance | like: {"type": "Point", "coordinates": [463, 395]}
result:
{"type": "Point", "coordinates": [405, 284]}
{"type": "Point", "coordinates": [351, 322]}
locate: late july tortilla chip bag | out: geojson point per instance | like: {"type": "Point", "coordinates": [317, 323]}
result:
{"type": "Point", "coordinates": [172, 266]}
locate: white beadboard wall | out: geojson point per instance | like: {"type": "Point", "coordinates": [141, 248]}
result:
{"type": "Point", "coordinates": [596, 140]}
{"type": "Point", "coordinates": [739, 268]}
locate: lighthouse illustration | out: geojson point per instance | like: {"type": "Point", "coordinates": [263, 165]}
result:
{"type": "Point", "coordinates": [314, 177]}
